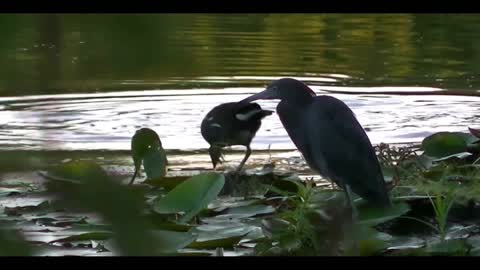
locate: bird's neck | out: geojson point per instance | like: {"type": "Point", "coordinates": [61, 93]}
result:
{"type": "Point", "coordinates": [299, 100]}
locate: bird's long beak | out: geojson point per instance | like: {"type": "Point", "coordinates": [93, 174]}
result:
{"type": "Point", "coordinates": [268, 93]}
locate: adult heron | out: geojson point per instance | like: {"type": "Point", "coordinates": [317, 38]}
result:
{"type": "Point", "coordinates": [231, 124]}
{"type": "Point", "coordinates": [331, 140]}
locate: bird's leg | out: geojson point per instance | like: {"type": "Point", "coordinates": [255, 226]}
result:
{"type": "Point", "coordinates": [348, 194]}
{"type": "Point", "coordinates": [352, 204]}
{"type": "Point", "coordinates": [349, 202]}
{"type": "Point", "coordinates": [247, 154]}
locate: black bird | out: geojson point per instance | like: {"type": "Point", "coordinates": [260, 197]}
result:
{"type": "Point", "coordinates": [330, 138]}
{"type": "Point", "coordinates": [232, 124]}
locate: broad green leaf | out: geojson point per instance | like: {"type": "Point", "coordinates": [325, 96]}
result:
{"type": "Point", "coordinates": [85, 236]}
{"type": "Point", "coordinates": [9, 191]}
{"type": "Point", "coordinates": [228, 242]}
{"type": "Point", "coordinates": [168, 183]}
{"type": "Point", "coordinates": [402, 242]}
{"type": "Point", "coordinates": [274, 226]}
{"type": "Point", "coordinates": [251, 210]}
{"type": "Point", "coordinates": [474, 242]}
{"type": "Point", "coordinates": [460, 155]}
{"type": "Point", "coordinates": [191, 196]}
{"type": "Point", "coordinates": [90, 228]}
{"type": "Point", "coordinates": [365, 241]}
{"type": "Point", "coordinates": [74, 171]}
{"type": "Point", "coordinates": [448, 247]}
{"type": "Point", "coordinates": [155, 163]}
{"type": "Point", "coordinates": [444, 144]}
{"type": "Point", "coordinates": [221, 204]}
{"type": "Point", "coordinates": [375, 216]}
{"type": "Point", "coordinates": [215, 235]}
{"type": "Point", "coordinates": [159, 222]}
{"type": "Point", "coordinates": [171, 241]}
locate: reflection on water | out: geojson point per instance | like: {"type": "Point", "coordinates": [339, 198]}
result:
{"type": "Point", "coordinates": [108, 120]}
{"type": "Point", "coordinates": [88, 81]}
{"type": "Point", "coordinates": [44, 53]}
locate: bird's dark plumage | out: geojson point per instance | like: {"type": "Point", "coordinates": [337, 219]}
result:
{"type": "Point", "coordinates": [231, 124]}
{"type": "Point", "coordinates": [330, 138]}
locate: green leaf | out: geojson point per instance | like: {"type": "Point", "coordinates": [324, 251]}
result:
{"type": "Point", "coordinates": [171, 241]}
{"type": "Point", "coordinates": [249, 211]}
{"type": "Point", "coordinates": [474, 242]}
{"type": "Point", "coordinates": [191, 196]}
{"type": "Point", "coordinates": [448, 247]}
{"type": "Point", "coordinates": [85, 236]}
{"type": "Point", "coordinates": [375, 216]}
{"type": "Point", "coordinates": [74, 171]}
{"type": "Point", "coordinates": [224, 235]}
{"type": "Point", "coordinates": [444, 144]}
{"type": "Point", "coordinates": [460, 155]}
{"type": "Point", "coordinates": [168, 183]}
{"type": "Point", "coordinates": [404, 242]}
{"type": "Point", "coordinates": [155, 163]}
{"type": "Point", "coordinates": [9, 191]}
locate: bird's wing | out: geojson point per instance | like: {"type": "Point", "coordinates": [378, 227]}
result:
{"type": "Point", "coordinates": [293, 122]}
{"type": "Point", "coordinates": [250, 111]}
{"type": "Point", "coordinates": [339, 143]}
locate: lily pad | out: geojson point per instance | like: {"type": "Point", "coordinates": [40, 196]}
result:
{"type": "Point", "coordinates": [448, 247]}
{"type": "Point", "coordinates": [210, 236]}
{"type": "Point", "coordinates": [376, 216]}
{"type": "Point", "coordinates": [77, 171]}
{"type": "Point", "coordinates": [170, 241]}
{"type": "Point", "coordinates": [443, 144]}
{"type": "Point", "coordinates": [168, 183]}
{"type": "Point", "coordinates": [191, 196]}
{"type": "Point", "coordinates": [85, 236]}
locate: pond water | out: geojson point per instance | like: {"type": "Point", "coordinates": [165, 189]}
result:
{"type": "Point", "coordinates": [87, 82]}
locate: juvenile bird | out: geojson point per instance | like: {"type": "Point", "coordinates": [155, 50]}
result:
{"type": "Point", "coordinates": [231, 124]}
{"type": "Point", "coordinates": [144, 142]}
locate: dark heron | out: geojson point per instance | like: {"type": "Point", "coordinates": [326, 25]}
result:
{"type": "Point", "coordinates": [330, 138]}
{"type": "Point", "coordinates": [143, 141]}
{"type": "Point", "coordinates": [231, 124]}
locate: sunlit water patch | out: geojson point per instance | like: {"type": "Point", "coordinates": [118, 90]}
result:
{"type": "Point", "coordinates": [106, 121]}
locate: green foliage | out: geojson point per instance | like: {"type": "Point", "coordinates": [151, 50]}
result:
{"type": "Point", "coordinates": [191, 196]}
{"type": "Point", "coordinates": [444, 144]}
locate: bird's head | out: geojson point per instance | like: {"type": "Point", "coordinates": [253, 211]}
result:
{"type": "Point", "coordinates": [284, 89]}
{"type": "Point", "coordinates": [215, 153]}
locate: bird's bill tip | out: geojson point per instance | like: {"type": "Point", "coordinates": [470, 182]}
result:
{"type": "Point", "coordinates": [215, 154]}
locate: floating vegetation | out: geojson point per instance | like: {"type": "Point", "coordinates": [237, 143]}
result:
{"type": "Point", "coordinates": [81, 209]}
